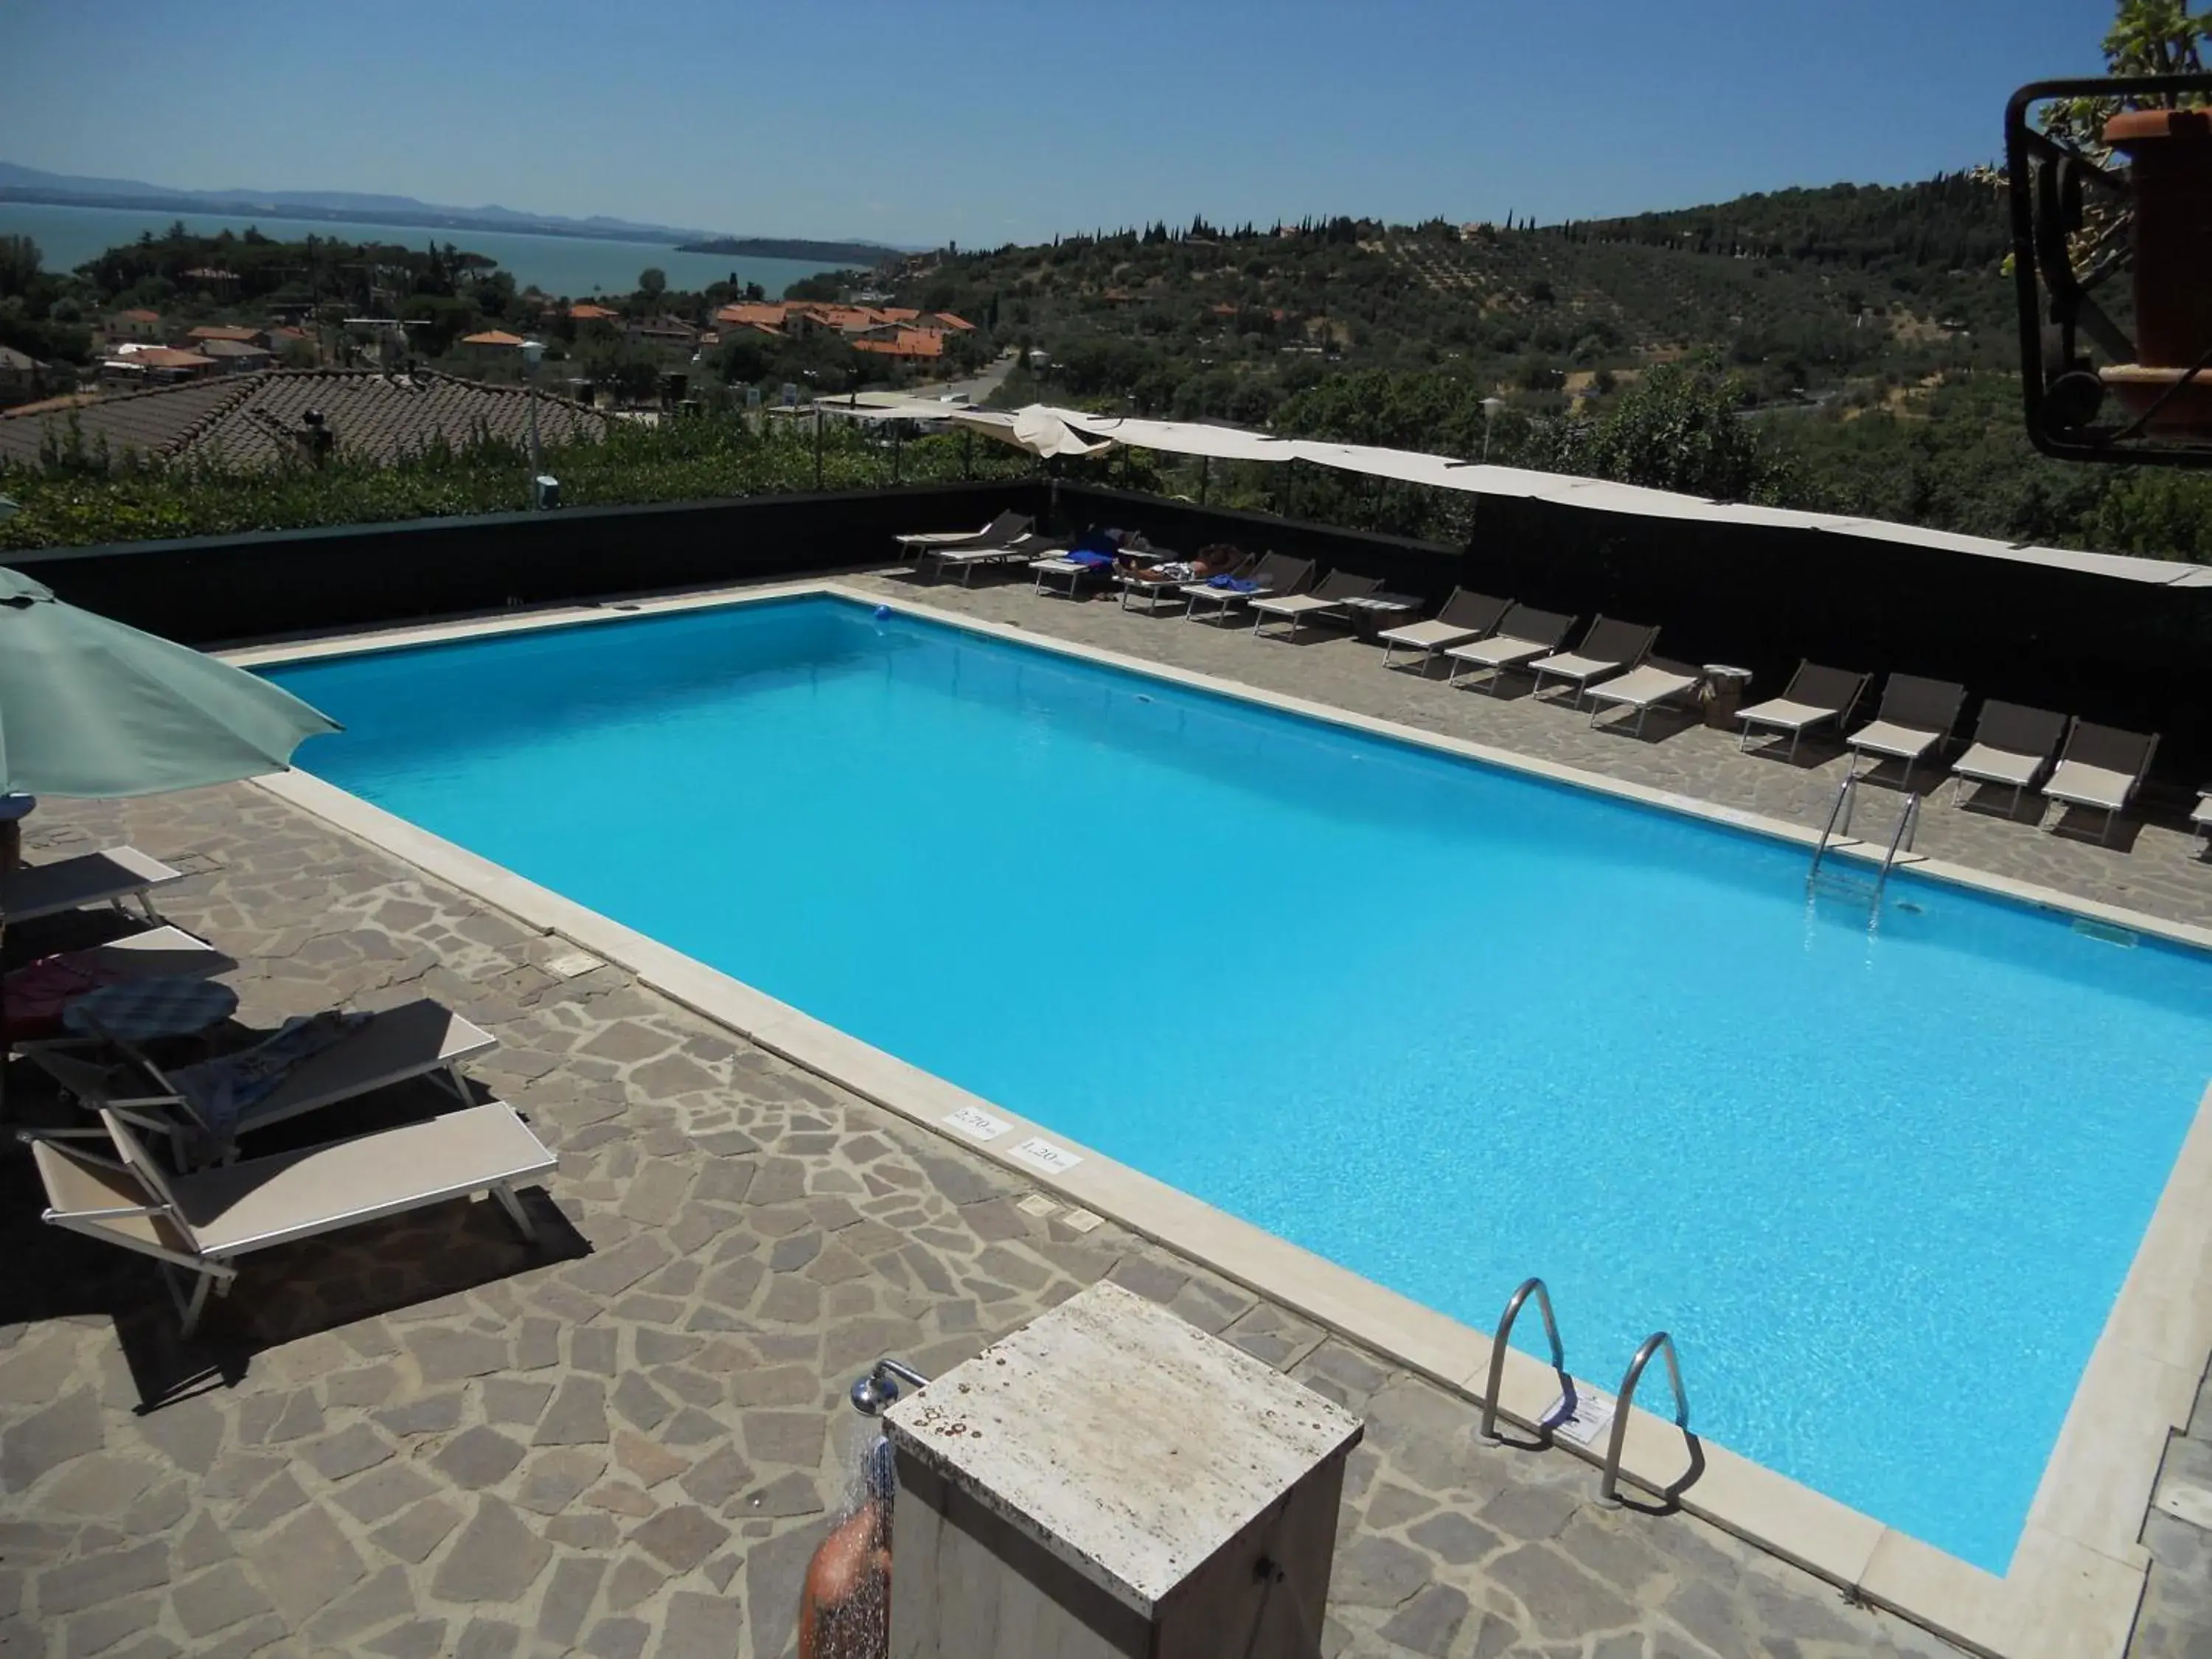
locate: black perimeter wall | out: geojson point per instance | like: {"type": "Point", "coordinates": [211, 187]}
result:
{"type": "Point", "coordinates": [2130, 653]}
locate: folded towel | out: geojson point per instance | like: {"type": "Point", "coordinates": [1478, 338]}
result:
{"type": "Point", "coordinates": [1090, 561]}
{"type": "Point", "coordinates": [219, 1090]}
{"type": "Point", "coordinates": [1234, 584]}
{"type": "Point", "coordinates": [36, 994]}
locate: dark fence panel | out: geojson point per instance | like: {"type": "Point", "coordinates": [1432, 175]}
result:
{"type": "Point", "coordinates": [228, 588]}
{"type": "Point", "coordinates": [2128, 653]}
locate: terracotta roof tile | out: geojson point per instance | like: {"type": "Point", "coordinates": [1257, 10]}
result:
{"type": "Point", "coordinates": [223, 332]}
{"type": "Point", "coordinates": [492, 336]}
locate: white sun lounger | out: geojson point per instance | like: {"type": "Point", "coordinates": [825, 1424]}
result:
{"type": "Point", "coordinates": [1916, 715]}
{"type": "Point", "coordinates": [2012, 744]}
{"type": "Point", "coordinates": [1815, 695]}
{"type": "Point", "coordinates": [203, 1223]}
{"type": "Point", "coordinates": [1651, 682]}
{"type": "Point", "coordinates": [1610, 644]}
{"type": "Point", "coordinates": [1276, 574]}
{"type": "Point", "coordinates": [2200, 820]}
{"type": "Point", "coordinates": [967, 560]}
{"type": "Point", "coordinates": [2102, 767]}
{"type": "Point", "coordinates": [1525, 636]}
{"type": "Point", "coordinates": [1325, 600]}
{"type": "Point", "coordinates": [1004, 528]}
{"type": "Point", "coordinates": [418, 1039]}
{"type": "Point", "coordinates": [104, 877]}
{"type": "Point", "coordinates": [1465, 615]}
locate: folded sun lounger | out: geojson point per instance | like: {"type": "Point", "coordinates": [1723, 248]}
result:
{"type": "Point", "coordinates": [2102, 767]}
{"type": "Point", "coordinates": [1277, 574]}
{"type": "Point", "coordinates": [2012, 744]}
{"type": "Point", "coordinates": [203, 1223]}
{"type": "Point", "coordinates": [1465, 615]}
{"type": "Point", "coordinates": [103, 877]}
{"type": "Point", "coordinates": [1610, 644]}
{"type": "Point", "coordinates": [1815, 695]}
{"type": "Point", "coordinates": [1651, 682]}
{"type": "Point", "coordinates": [1521, 637]}
{"type": "Point", "coordinates": [1327, 599]}
{"type": "Point", "coordinates": [1917, 715]}
{"type": "Point", "coordinates": [419, 1039]}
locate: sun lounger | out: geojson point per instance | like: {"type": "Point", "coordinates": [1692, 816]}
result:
{"type": "Point", "coordinates": [1651, 682]}
{"type": "Point", "coordinates": [2012, 744]}
{"type": "Point", "coordinates": [2102, 767]}
{"type": "Point", "coordinates": [1815, 695]}
{"type": "Point", "coordinates": [1916, 716]}
{"type": "Point", "coordinates": [1152, 588]}
{"type": "Point", "coordinates": [1610, 646]}
{"type": "Point", "coordinates": [2200, 820]}
{"type": "Point", "coordinates": [1525, 636]}
{"type": "Point", "coordinates": [203, 1223]}
{"type": "Point", "coordinates": [1002, 529]}
{"type": "Point", "coordinates": [36, 994]}
{"type": "Point", "coordinates": [418, 1039]}
{"type": "Point", "coordinates": [1276, 574]}
{"type": "Point", "coordinates": [1327, 599]}
{"type": "Point", "coordinates": [967, 560]}
{"type": "Point", "coordinates": [1465, 615]}
{"type": "Point", "coordinates": [106, 877]}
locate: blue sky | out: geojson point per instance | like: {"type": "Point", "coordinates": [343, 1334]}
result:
{"type": "Point", "coordinates": [996, 122]}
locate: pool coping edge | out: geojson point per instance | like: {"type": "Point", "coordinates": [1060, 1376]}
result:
{"type": "Point", "coordinates": [2077, 1578]}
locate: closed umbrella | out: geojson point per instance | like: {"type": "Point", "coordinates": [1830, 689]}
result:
{"type": "Point", "coordinates": [90, 707]}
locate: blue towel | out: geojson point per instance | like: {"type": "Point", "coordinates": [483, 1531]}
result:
{"type": "Point", "coordinates": [1097, 541]}
{"type": "Point", "coordinates": [1090, 561]}
{"type": "Point", "coordinates": [1233, 584]}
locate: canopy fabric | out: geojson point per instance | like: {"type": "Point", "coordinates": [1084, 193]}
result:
{"type": "Point", "coordinates": [1599, 495]}
{"type": "Point", "coordinates": [1226, 443]}
{"type": "Point", "coordinates": [90, 707]}
{"type": "Point", "coordinates": [1039, 431]}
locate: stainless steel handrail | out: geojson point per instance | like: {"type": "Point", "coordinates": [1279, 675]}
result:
{"type": "Point", "coordinates": [1901, 837]}
{"type": "Point", "coordinates": [1498, 1342]}
{"type": "Point", "coordinates": [1652, 1343]}
{"type": "Point", "coordinates": [1846, 795]}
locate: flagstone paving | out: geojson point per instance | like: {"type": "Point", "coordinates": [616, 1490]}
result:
{"type": "Point", "coordinates": [422, 1437]}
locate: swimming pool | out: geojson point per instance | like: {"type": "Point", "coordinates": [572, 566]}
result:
{"type": "Point", "coordinates": [1445, 1024]}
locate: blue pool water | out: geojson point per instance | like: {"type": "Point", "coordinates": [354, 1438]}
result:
{"type": "Point", "coordinates": [1444, 1024]}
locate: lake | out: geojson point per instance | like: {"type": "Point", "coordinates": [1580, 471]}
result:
{"type": "Point", "coordinates": [569, 265]}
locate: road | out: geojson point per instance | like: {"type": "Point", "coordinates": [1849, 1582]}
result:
{"type": "Point", "coordinates": [978, 390]}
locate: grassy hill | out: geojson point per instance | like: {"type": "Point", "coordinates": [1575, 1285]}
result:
{"type": "Point", "coordinates": [1805, 291]}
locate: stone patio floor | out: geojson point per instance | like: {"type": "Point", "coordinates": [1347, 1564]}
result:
{"type": "Point", "coordinates": [421, 1437]}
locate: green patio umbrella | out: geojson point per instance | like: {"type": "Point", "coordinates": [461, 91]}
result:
{"type": "Point", "coordinates": [90, 707]}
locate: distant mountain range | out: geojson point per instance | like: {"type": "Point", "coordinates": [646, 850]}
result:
{"type": "Point", "coordinates": [22, 184]}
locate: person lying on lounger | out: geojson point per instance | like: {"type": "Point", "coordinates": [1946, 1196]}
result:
{"type": "Point", "coordinates": [1215, 561]}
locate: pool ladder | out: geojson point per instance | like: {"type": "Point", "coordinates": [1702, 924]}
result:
{"type": "Point", "coordinates": [1838, 829]}
{"type": "Point", "coordinates": [1659, 1342]}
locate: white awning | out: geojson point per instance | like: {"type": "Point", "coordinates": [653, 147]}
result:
{"type": "Point", "coordinates": [1039, 431]}
{"type": "Point", "coordinates": [1227, 443]}
{"type": "Point", "coordinates": [1595, 495]}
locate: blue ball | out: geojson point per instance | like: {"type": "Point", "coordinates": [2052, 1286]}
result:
{"type": "Point", "coordinates": [883, 613]}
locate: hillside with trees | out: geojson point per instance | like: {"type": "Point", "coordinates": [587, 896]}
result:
{"type": "Point", "coordinates": [1852, 348]}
